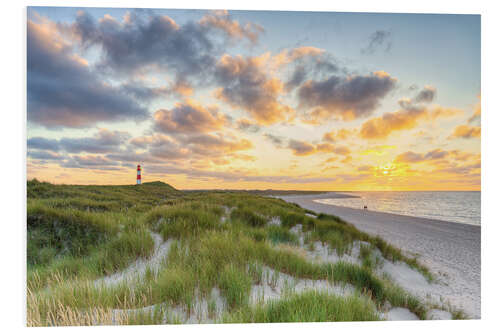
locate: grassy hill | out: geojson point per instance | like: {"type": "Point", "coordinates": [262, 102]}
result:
{"type": "Point", "coordinates": [151, 254]}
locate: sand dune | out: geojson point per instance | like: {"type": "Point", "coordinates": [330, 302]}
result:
{"type": "Point", "coordinates": [451, 250]}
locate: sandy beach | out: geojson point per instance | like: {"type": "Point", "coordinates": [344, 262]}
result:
{"type": "Point", "coordinates": [451, 250]}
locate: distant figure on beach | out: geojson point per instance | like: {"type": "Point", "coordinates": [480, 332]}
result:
{"type": "Point", "coordinates": [365, 207]}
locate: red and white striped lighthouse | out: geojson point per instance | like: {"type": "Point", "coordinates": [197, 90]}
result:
{"type": "Point", "coordinates": [138, 174]}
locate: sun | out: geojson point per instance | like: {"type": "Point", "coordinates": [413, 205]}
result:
{"type": "Point", "coordinates": [388, 169]}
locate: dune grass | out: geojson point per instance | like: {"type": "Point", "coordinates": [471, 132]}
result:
{"type": "Point", "coordinates": [309, 306]}
{"type": "Point", "coordinates": [77, 234]}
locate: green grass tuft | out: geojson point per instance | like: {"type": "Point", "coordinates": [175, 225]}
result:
{"type": "Point", "coordinates": [308, 307]}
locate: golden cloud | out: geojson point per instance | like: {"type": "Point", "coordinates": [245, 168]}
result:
{"type": "Point", "coordinates": [466, 132]}
{"type": "Point", "coordinates": [220, 19]}
{"type": "Point", "coordinates": [189, 117]}
{"type": "Point", "coordinates": [246, 84]}
{"type": "Point", "coordinates": [287, 56]}
{"type": "Point", "coordinates": [341, 134]}
{"type": "Point", "coordinates": [404, 119]}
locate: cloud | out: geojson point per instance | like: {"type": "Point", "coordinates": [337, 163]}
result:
{"type": "Point", "coordinates": [365, 168]}
{"type": "Point", "coordinates": [189, 117]}
{"type": "Point", "coordinates": [170, 151]}
{"type": "Point", "coordinates": [377, 150]}
{"type": "Point", "coordinates": [303, 148]}
{"type": "Point", "coordinates": [245, 157]}
{"type": "Point", "coordinates": [347, 178]}
{"type": "Point", "coordinates": [299, 75]}
{"type": "Point", "coordinates": [307, 62]}
{"type": "Point", "coordinates": [63, 91]}
{"type": "Point", "coordinates": [309, 59]}
{"type": "Point", "coordinates": [464, 156]}
{"type": "Point", "coordinates": [348, 97]}
{"type": "Point", "coordinates": [380, 39]}
{"type": "Point", "coordinates": [442, 112]}
{"type": "Point", "coordinates": [341, 134]}
{"type": "Point", "coordinates": [160, 146]}
{"type": "Point", "coordinates": [381, 127]}
{"type": "Point", "coordinates": [221, 20]}
{"type": "Point", "coordinates": [426, 95]}
{"type": "Point", "coordinates": [95, 162]}
{"type": "Point", "coordinates": [44, 155]}
{"type": "Point", "coordinates": [43, 143]}
{"type": "Point", "coordinates": [216, 144]}
{"type": "Point", "coordinates": [237, 176]}
{"type": "Point", "coordinates": [466, 132]}
{"type": "Point", "coordinates": [463, 170]}
{"type": "Point", "coordinates": [330, 160]}
{"type": "Point", "coordinates": [436, 154]}
{"type": "Point", "coordinates": [342, 150]}
{"type": "Point", "coordinates": [276, 140]}
{"type": "Point", "coordinates": [316, 66]}
{"type": "Point", "coordinates": [145, 93]}
{"type": "Point", "coordinates": [246, 84]}
{"type": "Point", "coordinates": [247, 125]}
{"type": "Point", "coordinates": [347, 159]}
{"type": "Point", "coordinates": [193, 148]}
{"type": "Point", "coordinates": [156, 139]}
{"type": "Point", "coordinates": [167, 148]}
{"type": "Point", "coordinates": [147, 41]}
{"type": "Point", "coordinates": [250, 82]}
{"type": "Point", "coordinates": [288, 56]}
{"type": "Point", "coordinates": [133, 157]}
{"type": "Point", "coordinates": [329, 148]}
{"type": "Point", "coordinates": [404, 119]}
{"type": "Point", "coordinates": [90, 160]}
{"type": "Point", "coordinates": [104, 141]}
{"type": "Point", "coordinates": [411, 157]}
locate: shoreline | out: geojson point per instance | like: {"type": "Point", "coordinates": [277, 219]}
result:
{"type": "Point", "coordinates": [342, 195]}
{"type": "Point", "coordinates": [451, 250]}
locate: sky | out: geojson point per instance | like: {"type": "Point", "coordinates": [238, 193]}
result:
{"type": "Point", "coordinates": [254, 99]}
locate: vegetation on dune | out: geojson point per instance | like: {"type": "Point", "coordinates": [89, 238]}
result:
{"type": "Point", "coordinates": [309, 306]}
{"type": "Point", "coordinates": [222, 240]}
{"type": "Point", "coordinates": [278, 234]}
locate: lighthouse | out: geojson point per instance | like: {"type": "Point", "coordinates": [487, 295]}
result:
{"type": "Point", "coordinates": [138, 174]}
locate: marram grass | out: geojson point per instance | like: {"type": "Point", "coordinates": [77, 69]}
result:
{"type": "Point", "coordinates": [78, 234]}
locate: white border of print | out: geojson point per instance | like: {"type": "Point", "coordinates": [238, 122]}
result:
{"type": "Point", "coordinates": [13, 132]}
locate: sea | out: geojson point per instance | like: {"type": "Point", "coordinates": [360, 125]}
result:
{"type": "Point", "coordinates": [452, 206]}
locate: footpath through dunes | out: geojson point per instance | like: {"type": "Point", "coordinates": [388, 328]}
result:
{"type": "Point", "coordinates": [150, 254]}
{"type": "Point", "coordinates": [451, 250]}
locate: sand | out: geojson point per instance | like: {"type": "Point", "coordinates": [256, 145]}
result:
{"type": "Point", "coordinates": [451, 250]}
{"type": "Point", "coordinates": [138, 268]}
{"type": "Point", "coordinates": [275, 283]}
{"type": "Point", "coordinates": [273, 287]}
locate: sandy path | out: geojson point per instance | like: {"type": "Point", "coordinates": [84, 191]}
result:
{"type": "Point", "coordinates": [450, 250]}
{"type": "Point", "coordinates": [138, 268]}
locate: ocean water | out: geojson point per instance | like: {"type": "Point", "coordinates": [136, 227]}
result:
{"type": "Point", "coordinates": [461, 207]}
